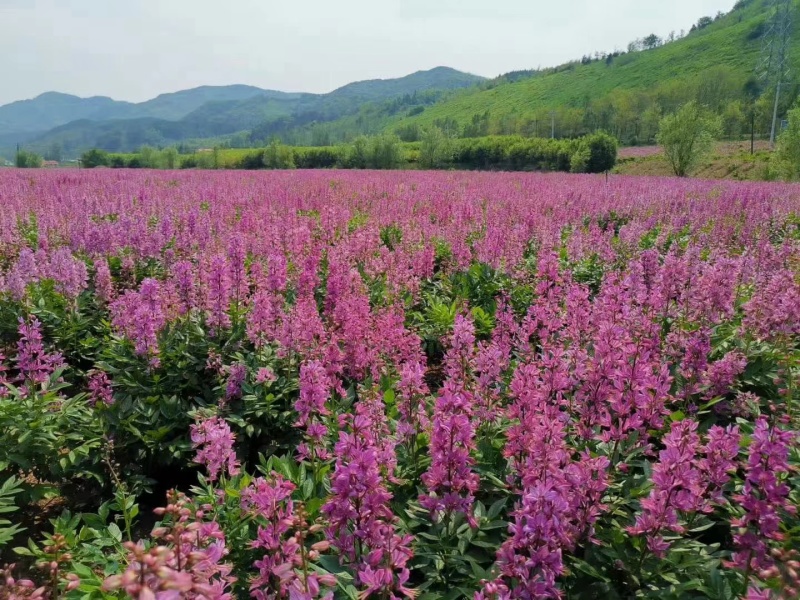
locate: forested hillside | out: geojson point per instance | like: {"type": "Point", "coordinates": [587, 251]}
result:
{"type": "Point", "coordinates": [623, 92]}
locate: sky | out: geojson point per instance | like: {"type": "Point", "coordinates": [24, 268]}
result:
{"type": "Point", "coordinates": [136, 49]}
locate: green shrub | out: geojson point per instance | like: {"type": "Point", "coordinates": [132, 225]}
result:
{"type": "Point", "coordinates": [602, 152]}
{"type": "Point", "coordinates": [95, 158]}
{"type": "Point", "coordinates": [278, 156]}
{"type": "Point", "coordinates": [28, 160]}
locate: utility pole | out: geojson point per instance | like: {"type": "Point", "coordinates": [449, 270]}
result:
{"type": "Point", "coordinates": [773, 65]}
{"type": "Point", "coordinates": [552, 125]}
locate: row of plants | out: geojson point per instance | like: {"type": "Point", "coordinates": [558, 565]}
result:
{"type": "Point", "coordinates": [595, 153]}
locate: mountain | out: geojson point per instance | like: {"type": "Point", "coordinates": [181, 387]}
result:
{"type": "Point", "coordinates": [179, 104]}
{"type": "Point", "coordinates": [438, 78]}
{"type": "Point", "coordinates": [205, 112]}
{"type": "Point", "coordinates": [621, 91]}
{"type": "Point", "coordinates": [53, 109]}
{"type": "Point", "coordinates": [625, 93]}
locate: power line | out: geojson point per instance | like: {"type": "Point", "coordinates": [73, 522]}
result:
{"type": "Point", "coordinates": [773, 65]}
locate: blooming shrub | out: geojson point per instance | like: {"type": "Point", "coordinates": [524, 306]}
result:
{"type": "Point", "coordinates": [397, 385]}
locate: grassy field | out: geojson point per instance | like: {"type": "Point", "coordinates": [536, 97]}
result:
{"type": "Point", "coordinates": [730, 160]}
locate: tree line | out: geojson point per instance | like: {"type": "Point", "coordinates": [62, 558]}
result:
{"type": "Point", "coordinates": [593, 153]}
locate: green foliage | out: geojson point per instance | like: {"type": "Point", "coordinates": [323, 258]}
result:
{"type": "Point", "coordinates": [149, 158]}
{"type": "Point", "coordinates": [169, 158]}
{"type": "Point", "coordinates": [96, 158]}
{"type": "Point", "coordinates": [278, 156]}
{"type": "Point", "coordinates": [250, 161]}
{"type": "Point", "coordinates": [788, 150]}
{"type": "Point", "coordinates": [116, 162]}
{"type": "Point", "coordinates": [27, 160]}
{"type": "Point", "coordinates": [44, 433]}
{"type": "Point", "coordinates": [10, 488]}
{"type": "Point", "coordinates": [687, 137]}
{"type": "Point", "coordinates": [436, 150]}
{"type": "Point", "coordinates": [603, 150]}
{"type": "Point", "coordinates": [384, 152]}
{"type": "Point", "coordinates": [358, 156]}
{"type": "Point", "coordinates": [319, 158]}
{"type": "Point", "coordinates": [579, 161]}
{"type": "Point", "coordinates": [622, 93]}
{"type": "Point", "coordinates": [591, 154]}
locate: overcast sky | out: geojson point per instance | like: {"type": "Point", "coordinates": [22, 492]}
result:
{"type": "Point", "coordinates": [136, 49]}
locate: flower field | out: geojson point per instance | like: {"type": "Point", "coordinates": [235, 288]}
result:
{"type": "Point", "coordinates": [391, 384]}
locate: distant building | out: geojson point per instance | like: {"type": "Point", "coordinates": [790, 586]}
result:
{"type": "Point", "coordinates": [51, 163]}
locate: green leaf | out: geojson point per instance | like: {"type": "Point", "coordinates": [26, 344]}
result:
{"type": "Point", "coordinates": [678, 415]}
{"type": "Point", "coordinates": [115, 532]}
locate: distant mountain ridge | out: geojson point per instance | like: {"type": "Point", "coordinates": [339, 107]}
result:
{"type": "Point", "coordinates": [52, 109]}
{"type": "Point", "coordinates": [76, 124]}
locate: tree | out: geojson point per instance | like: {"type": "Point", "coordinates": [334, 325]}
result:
{"type": "Point", "coordinates": [28, 160]}
{"type": "Point", "coordinates": [149, 157]}
{"type": "Point", "coordinates": [704, 22]}
{"type": "Point", "coordinates": [733, 120]}
{"type": "Point", "coordinates": [358, 154]}
{"type": "Point", "coordinates": [579, 160]}
{"type": "Point", "coordinates": [385, 152]}
{"type": "Point", "coordinates": [651, 41]}
{"type": "Point", "coordinates": [278, 156]}
{"type": "Point", "coordinates": [602, 152]}
{"type": "Point", "coordinates": [169, 158]}
{"type": "Point", "coordinates": [687, 136]}
{"type": "Point", "coordinates": [787, 154]}
{"type": "Point", "coordinates": [94, 158]}
{"type": "Point", "coordinates": [435, 151]}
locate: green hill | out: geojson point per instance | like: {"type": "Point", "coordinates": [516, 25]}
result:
{"type": "Point", "coordinates": [207, 112]}
{"type": "Point", "coordinates": [624, 93]}
{"type": "Point", "coordinates": [53, 109]}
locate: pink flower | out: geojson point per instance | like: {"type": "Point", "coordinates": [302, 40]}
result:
{"type": "Point", "coordinates": [187, 564]}
{"type": "Point", "coordinates": [100, 390]}
{"type": "Point", "coordinates": [361, 522]}
{"type": "Point", "coordinates": [412, 392]}
{"type": "Point", "coordinates": [213, 440]}
{"type": "Point", "coordinates": [236, 376]}
{"type": "Point", "coordinates": [141, 316]}
{"type": "Point", "coordinates": [103, 283]}
{"type": "Point", "coordinates": [720, 376]}
{"type": "Point", "coordinates": [34, 363]}
{"type": "Point", "coordinates": [315, 389]}
{"type": "Point", "coordinates": [265, 375]}
{"type": "Point", "coordinates": [764, 498]}
{"type": "Point", "coordinates": [217, 301]}
{"type": "Point", "coordinates": [677, 486]}
{"type": "Point", "coordinates": [450, 481]}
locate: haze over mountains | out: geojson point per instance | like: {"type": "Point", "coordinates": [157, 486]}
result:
{"type": "Point", "coordinates": [76, 124]}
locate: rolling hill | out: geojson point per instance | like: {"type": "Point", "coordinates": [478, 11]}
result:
{"type": "Point", "coordinates": [622, 92]}
{"type": "Point", "coordinates": [53, 109]}
{"type": "Point", "coordinates": [76, 124]}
